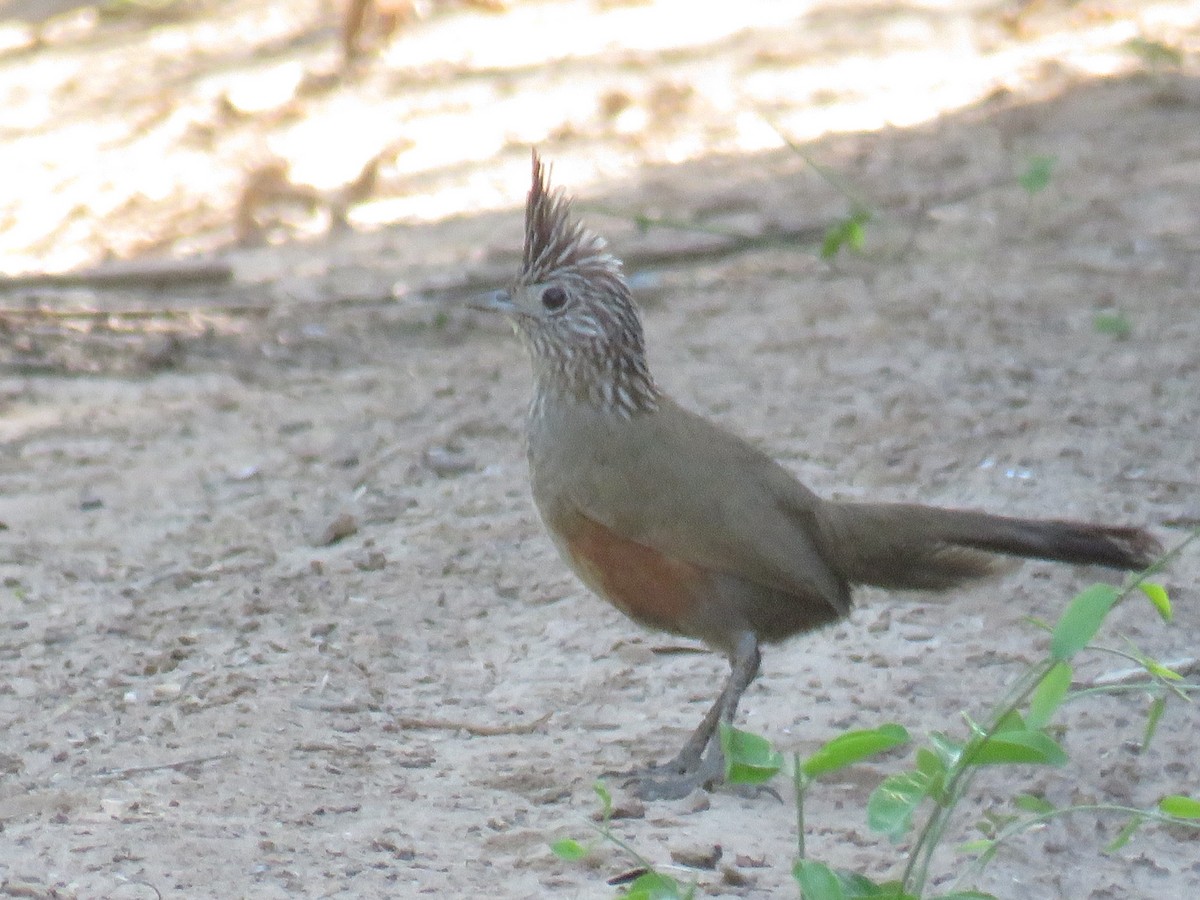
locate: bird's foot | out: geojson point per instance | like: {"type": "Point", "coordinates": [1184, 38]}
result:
{"type": "Point", "coordinates": [677, 778]}
{"type": "Point", "coordinates": [685, 774]}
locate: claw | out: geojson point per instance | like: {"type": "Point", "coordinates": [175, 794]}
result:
{"type": "Point", "coordinates": [679, 777]}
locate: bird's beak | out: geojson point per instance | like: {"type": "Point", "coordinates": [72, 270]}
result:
{"type": "Point", "coordinates": [496, 301]}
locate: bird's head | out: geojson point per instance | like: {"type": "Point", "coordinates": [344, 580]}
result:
{"type": "Point", "coordinates": [572, 308]}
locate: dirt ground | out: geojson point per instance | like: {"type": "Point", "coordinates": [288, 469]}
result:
{"type": "Point", "coordinates": [277, 617]}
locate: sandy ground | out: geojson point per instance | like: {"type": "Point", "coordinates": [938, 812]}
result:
{"type": "Point", "coordinates": [206, 692]}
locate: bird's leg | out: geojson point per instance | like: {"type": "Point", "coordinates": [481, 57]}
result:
{"type": "Point", "coordinates": [689, 756]}
{"type": "Point", "coordinates": [700, 762]}
{"type": "Point", "coordinates": [743, 668]}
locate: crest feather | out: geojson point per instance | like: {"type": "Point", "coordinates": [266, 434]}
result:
{"type": "Point", "coordinates": [553, 240]}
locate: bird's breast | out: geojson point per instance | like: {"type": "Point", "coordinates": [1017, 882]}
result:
{"type": "Point", "coordinates": [646, 585]}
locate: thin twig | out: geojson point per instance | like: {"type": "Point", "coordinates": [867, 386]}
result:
{"type": "Point", "coordinates": [141, 770]}
{"type": "Point", "coordinates": [832, 178]}
{"type": "Point", "coordinates": [423, 724]}
{"type": "Point", "coordinates": [1185, 666]}
{"type": "Point", "coordinates": [1162, 482]}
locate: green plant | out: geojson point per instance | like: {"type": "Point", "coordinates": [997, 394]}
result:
{"type": "Point", "coordinates": [1115, 324]}
{"type": "Point", "coordinates": [1036, 177]}
{"type": "Point", "coordinates": [1018, 731]}
{"type": "Point", "coordinates": [650, 884]}
{"type": "Point", "coordinates": [1154, 54]}
{"type": "Point", "coordinates": [850, 232]}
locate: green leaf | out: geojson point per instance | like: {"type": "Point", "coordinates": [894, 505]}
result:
{"type": "Point", "coordinates": [749, 758]}
{"type": "Point", "coordinates": [1180, 807]}
{"type": "Point", "coordinates": [860, 887]}
{"type": "Point", "coordinates": [853, 746]}
{"type": "Point", "coordinates": [849, 232]}
{"type": "Point", "coordinates": [1019, 747]}
{"type": "Point", "coordinates": [1082, 620]}
{"type": "Point", "coordinates": [817, 881]}
{"type": "Point", "coordinates": [853, 885]}
{"type": "Point", "coordinates": [1123, 836]}
{"type": "Point", "coordinates": [1114, 324]}
{"type": "Point", "coordinates": [891, 805]}
{"type": "Point", "coordinates": [933, 768]}
{"type": "Point", "coordinates": [929, 763]}
{"type": "Point", "coordinates": [984, 848]}
{"type": "Point", "coordinates": [606, 805]}
{"type": "Point", "coordinates": [569, 850]}
{"type": "Point", "coordinates": [1010, 721]}
{"type": "Point", "coordinates": [992, 822]}
{"type": "Point", "coordinates": [1036, 176]}
{"type": "Point", "coordinates": [1154, 667]}
{"type": "Point", "coordinates": [1158, 596]}
{"type": "Point", "coordinates": [1156, 710]}
{"type": "Point", "coordinates": [1049, 695]}
{"type": "Point", "coordinates": [948, 751]}
{"type": "Point", "coordinates": [1154, 53]}
{"type": "Point", "coordinates": [894, 890]}
{"type": "Point", "coordinates": [654, 886]}
{"type": "Point", "coordinates": [1033, 804]}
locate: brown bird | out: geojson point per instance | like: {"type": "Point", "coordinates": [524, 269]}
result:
{"type": "Point", "coordinates": [685, 527]}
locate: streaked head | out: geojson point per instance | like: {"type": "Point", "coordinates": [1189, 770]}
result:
{"type": "Point", "coordinates": [572, 308]}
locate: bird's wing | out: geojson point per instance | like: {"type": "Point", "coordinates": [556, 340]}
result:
{"type": "Point", "coordinates": [676, 483]}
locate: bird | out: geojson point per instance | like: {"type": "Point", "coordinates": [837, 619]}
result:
{"type": "Point", "coordinates": [688, 529]}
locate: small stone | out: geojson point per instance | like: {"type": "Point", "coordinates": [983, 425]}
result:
{"type": "Point", "coordinates": [168, 691]}
{"type": "Point", "coordinates": [446, 462]}
{"type": "Point", "coordinates": [733, 877]}
{"type": "Point", "coordinates": [11, 764]}
{"type": "Point", "coordinates": [343, 525]}
{"type": "Point", "coordinates": [744, 861]}
{"type": "Point", "coordinates": [697, 857]}
{"type": "Point", "coordinates": [371, 561]}
{"type": "Point", "coordinates": [882, 622]}
{"type": "Point", "coordinates": [628, 808]}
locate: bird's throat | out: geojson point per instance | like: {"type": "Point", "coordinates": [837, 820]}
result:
{"type": "Point", "coordinates": [613, 383]}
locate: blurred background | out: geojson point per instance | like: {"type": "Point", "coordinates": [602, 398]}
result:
{"type": "Point", "coordinates": [176, 127]}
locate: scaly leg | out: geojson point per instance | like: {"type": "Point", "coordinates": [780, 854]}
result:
{"type": "Point", "coordinates": [700, 762]}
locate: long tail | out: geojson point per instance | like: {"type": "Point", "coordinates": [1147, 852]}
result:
{"type": "Point", "coordinates": [898, 545]}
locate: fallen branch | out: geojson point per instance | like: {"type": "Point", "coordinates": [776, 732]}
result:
{"type": "Point", "coordinates": [137, 273]}
{"type": "Point", "coordinates": [189, 312]}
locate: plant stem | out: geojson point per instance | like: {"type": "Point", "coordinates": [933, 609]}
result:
{"type": "Point", "coordinates": [1017, 828]}
{"type": "Point", "coordinates": [1155, 687]}
{"type": "Point", "coordinates": [962, 773]}
{"type": "Point", "coordinates": [800, 784]}
{"type": "Point", "coordinates": [664, 222]}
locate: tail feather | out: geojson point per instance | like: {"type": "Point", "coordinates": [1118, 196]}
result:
{"type": "Point", "coordinates": [897, 545]}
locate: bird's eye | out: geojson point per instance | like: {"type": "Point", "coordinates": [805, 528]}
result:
{"type": "Point", "coordinates": [554, 298]}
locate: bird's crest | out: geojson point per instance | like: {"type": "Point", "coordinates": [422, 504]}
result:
{"type": "Point", "coordinates": [553, 240]}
